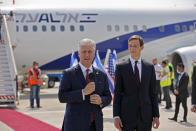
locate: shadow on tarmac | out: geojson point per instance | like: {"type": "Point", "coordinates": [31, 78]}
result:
{"type": "Point", "coordinates": [187, 124]}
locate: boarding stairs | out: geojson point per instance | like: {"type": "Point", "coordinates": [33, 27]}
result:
{"type": "Point", "coordinates": [8, 71]}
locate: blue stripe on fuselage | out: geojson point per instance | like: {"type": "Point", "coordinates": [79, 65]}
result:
{"type": "Point", "coordinates": [120, 43]}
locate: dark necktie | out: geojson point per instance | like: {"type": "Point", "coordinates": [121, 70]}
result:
{"type": "Point", "coordinates": [137, 75]}
{"type": "Point", "coordinates": [87, 77]}
{"type": "Point", "coordinates": [87, 81]}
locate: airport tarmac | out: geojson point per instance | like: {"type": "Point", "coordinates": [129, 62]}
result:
{"type": "Point", "coordinates": [52, 112]}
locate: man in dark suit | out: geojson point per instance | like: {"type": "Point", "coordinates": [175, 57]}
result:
{"type": "Point", "coordinates": [85, 97]}
{"type": "Point", "coordinates": [181, 92]}
{"type": "Point", "coordinates": [193, 98]}
{"type": "Point", "coordinates": [135, 106]}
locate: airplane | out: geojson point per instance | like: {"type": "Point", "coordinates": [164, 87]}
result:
{"type": "Point", "coordinates": [49, 35]}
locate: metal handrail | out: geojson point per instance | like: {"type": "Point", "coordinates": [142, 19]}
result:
{"type": "Point", "coordinates": [10, 46]}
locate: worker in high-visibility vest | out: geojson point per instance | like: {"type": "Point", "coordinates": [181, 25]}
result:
{"type": "Point", "coordinates": [166, 83]}
{"type": "Point", "coordinates": [34, 82]}
{"type": "Point", "coordinates": [171, 70]}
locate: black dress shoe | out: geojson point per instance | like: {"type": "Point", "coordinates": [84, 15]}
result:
{"type": "Point", "coordinates": [173, 119]}
{"type": "Point", "coordinates": [167, 107]}
{"type": "Point", "coordinates": [183, 121]}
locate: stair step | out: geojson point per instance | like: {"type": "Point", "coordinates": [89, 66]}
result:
{"type": "Point", "coordinates": [5, 78]}
{"type": "Point", "coordinates": [3, 47]}
{"type": "Point", "coordinates": [6, 89]}
{"type": "Point", "coordinates": [7, 93]}
{"type": "Point", "coordinates": [3, 63]}
{"type": "Point", "coordinates": [5, 74]}
{"type": "Point", "coordinates": [4, 59]}
{"type": "Point", "coordinates": [6, 86]}
{"type": "Point", "coordinates": [4, 71]}
{"type": "Point", "coordinates": [4, 67]}
{"type": "Point", "coordinates": [7, 82]}
{"type": "Point", "coordinates": [3, 53]}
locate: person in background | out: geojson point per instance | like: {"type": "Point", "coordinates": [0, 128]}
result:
{"type": "Point", "coordinates": [135, 106]}
{"type": "Point", "coordinates": [34, 82]}
{"type": "Point", "coordinates": [193, 95]}
{"type": "Point", "coordinates": [1, 22]}
{"type": "Point", "coordinates": [171, 71]}
{"type": "Point", "coordinates": [165, 84]}
{"type": "Point", "coordinates": [158, 70]}
{"type": "Point", "coordinates": [181, 92]}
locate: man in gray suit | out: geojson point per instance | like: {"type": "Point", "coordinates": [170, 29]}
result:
{"type": "Point", "coordinates": [84, 94]}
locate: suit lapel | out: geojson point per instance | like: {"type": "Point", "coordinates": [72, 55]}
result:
{"type": "Point", "coordinates": [80, 75]}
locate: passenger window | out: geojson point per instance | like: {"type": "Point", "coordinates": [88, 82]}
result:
{"type": "Point", "coordinates": [109, 28]}
{"type": "Point", "coordinates": [25, 28]}
{"type": "Point", "coordinates": [43, 28]}
{"type": "Point", "coordinates": [81, 28]}
{"type": "Point", "coordinates": [72, 28]}
{"type": "Point", "coordinates": [177, 28]}
{"type": "Point", "coordinates": [162, 28]}
{"type": "Point", "coordinates": [117, 28]}
{"type": "Point", "coordinates": [126, 28]}
{"type": "Point", "coordinates": [144, 28]}
{"type": "Point", "coordinates": [191, 28]}
{"type": "Point", "coordinates": [135, 28]}
{"type": "Point", "coordinates": [35, 28]}
{"type": "Point", "coordinates": [53, 28]}
{"type": "Point", "coordinates": [62, 28]}
{"type": "Point", "coordinates": [184, 28]}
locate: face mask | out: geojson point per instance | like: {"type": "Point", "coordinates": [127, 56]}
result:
{"type": "Point", "coordinates": [178, 71]}
{"type": "Point", "coordinates": [36, 67]}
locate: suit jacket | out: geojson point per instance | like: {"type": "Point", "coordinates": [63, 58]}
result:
{"type": "Point", "coordinates": [194, 86]}
{"type": "Point", "coordinates": [127, 95]}
{"type": "Point", "coordinates": [182, 87]}
{"type": "Point", "coordinates": [78, 111]}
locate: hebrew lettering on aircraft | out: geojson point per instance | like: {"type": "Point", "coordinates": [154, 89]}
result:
{"type": "Point", "coordinates": [57, 17]}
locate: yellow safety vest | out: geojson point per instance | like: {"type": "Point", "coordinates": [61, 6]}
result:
{"type": "Point", "coordinates": [173, 76]}
{"type": "Point", "coordinates": [166, 82]}
{"type": "Point", "coordinates": [190, 80]}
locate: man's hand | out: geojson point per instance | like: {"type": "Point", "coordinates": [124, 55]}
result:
{"type": "Point", "coordinates": [155, 123]}
{"type": "Point", "coordinates": [118, 123]}
{"type": "Point", "coordinates": [193, 108]}
{"type": "Point", "coordinates": [90, 87]}
{"type": "Point", "coordinates": [95, 99]}
{"type": "Point", "coordinates": [176, 92]}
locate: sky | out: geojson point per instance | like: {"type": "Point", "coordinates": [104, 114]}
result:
{"type": "Point", "coordinates": [104, 3]}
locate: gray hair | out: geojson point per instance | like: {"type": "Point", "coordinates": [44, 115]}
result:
{"type": "Point", "coordinates": [87, 41]}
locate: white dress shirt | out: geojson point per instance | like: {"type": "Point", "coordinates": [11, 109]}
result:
{"type": "Point", "coordinates": [139, 65]}
{"type": "Point", "coordinates": [158, 67]}
{"type": "Point", "coordinates": [83, 68]}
